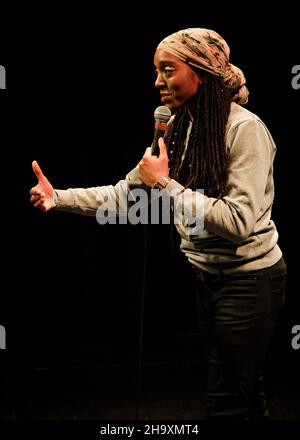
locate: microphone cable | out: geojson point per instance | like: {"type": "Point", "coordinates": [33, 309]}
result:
{"type": "Point", "coordinates": [162, 114]}
{"type": "Point", "coordinates": [141, 327]}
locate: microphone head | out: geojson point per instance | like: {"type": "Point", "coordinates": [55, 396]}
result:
{"type": "Point", "coordinates": [162, 114]}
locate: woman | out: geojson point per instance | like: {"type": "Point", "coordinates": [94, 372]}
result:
{"type": "Point", "coordinates": [216, 145]}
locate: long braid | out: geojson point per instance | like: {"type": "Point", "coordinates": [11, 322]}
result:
{"type": "Point", "coordinates": [205, 160]}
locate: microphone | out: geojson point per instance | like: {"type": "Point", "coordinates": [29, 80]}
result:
{"type": "Point", "coordinates": [161, 115]}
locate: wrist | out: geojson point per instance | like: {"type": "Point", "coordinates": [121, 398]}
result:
{"type": "Point", "coordinates": [162, 182]}
{"type": "Point", "coordinates": [55, 199]}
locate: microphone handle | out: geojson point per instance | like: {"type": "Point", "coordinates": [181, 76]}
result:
{"type": "Point", "coordinates": [157, 134]}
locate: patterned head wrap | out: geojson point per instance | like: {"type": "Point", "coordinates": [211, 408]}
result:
{"type": "Point", "coordinates": [207, 50]}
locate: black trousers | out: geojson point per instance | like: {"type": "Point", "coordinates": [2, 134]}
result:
{"type": "Point", "coordinates": [237, 314]}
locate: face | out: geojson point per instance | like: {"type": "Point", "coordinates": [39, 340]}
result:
{"type": "Point", "coordinates": [177, 81]}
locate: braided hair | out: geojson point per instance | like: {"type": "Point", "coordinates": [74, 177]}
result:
{"type": "Point", "coordinates": [203, 163]}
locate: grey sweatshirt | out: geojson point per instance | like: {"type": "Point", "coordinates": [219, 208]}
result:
{"type": "Point", "coordinates": [238, 233]}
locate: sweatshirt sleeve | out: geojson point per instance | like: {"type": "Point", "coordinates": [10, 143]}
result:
{"type": "Point", "coordinates": [87, 201]}
{"type": "Point", "coordinates": [249, 191]}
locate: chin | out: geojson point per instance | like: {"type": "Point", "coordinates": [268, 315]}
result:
{"type": "Point", "coordinates": [171, 106]}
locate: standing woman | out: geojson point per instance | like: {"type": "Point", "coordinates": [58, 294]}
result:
{"type": "Point", "coordinates": [214, 144]}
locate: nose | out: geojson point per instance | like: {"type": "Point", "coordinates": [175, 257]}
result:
{"type": "Point", "coordinates": [159, 82]}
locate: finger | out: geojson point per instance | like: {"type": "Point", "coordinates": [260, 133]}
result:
{"type": "Point", "coordinates": [148, 152]}
{"type": "Point", "coordinates": [37, 204]}
{"type": "Point", "coordinates": [162, 148]}
{"type": "Point", "coordinates": [41, 205]}
{"type": "Point", "coordinates": [35, 191]}
{"type": "Point", "coordinates": [37, 170]}
{"type": "Point", "coordinates": [34, 198]}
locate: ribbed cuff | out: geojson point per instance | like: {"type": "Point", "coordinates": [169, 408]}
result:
{"type": "Point", "coordinates": [55, 198]}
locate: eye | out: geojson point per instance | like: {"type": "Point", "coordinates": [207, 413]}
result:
{"type": "Point", "coordinates": [168, 70]}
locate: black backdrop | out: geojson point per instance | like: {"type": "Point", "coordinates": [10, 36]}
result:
{"type": "Point", "coordinates": [80, 100]}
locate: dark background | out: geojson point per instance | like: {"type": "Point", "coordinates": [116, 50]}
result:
{"type": "Point", "coordinates": [80, 99]}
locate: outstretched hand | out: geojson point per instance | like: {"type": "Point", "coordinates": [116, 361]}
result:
{"type": "Point", "coordinates": [153, 168]}
{"type": "Point", "coordinates": [41, 195]}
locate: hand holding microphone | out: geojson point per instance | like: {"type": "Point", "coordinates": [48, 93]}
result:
{"type": "Point", "coordinates": [155, 162]}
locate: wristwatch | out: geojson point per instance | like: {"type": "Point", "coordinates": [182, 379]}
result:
{"type": "Point", "coordinates": [162, 183]}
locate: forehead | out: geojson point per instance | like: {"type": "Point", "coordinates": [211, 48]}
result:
{"type": "Point", "coordinates": [163, 57]}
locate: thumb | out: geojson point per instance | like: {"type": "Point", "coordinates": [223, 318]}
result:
{"type": "Point", "coordinates": [162, 148]}
{"type": "Point", "coordinates": [37, 170]}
